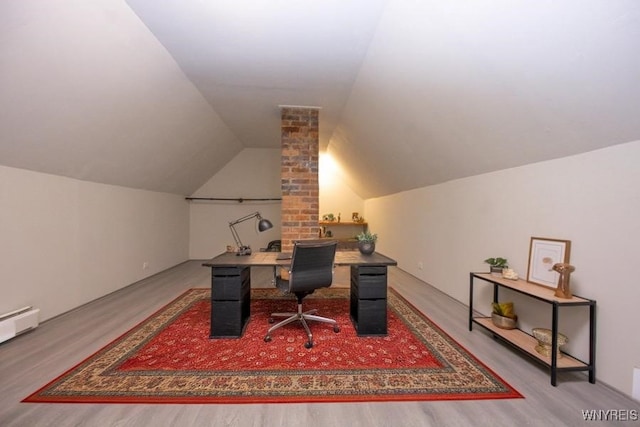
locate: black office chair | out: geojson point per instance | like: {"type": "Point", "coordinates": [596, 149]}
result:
{"type": "Point", "coordinates": [311, 268]}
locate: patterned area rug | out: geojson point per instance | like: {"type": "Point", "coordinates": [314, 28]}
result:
{"type": "Point", "coordinates": [169, 358]}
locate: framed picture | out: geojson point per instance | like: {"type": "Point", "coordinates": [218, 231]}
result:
{"type": "Point", "coordinates": [543, 255]}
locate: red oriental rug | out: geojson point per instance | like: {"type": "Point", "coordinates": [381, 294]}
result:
{"type": "Point", "coordinates": [169, 358]}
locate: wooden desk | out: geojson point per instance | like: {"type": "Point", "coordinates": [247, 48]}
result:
{"type": "Point", "coordinates": [231, 290]}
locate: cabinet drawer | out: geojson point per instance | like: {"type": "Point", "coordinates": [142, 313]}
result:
{"type": "Point", "coordinates": [229, 271]}
{"type": "Point", "coordinates": [228, 318]}
{"type": "Point", "coordinates": [229, 288]}
{"type": "Point", "coordinates": [369, 287]}
{"type": "Point", "coordinates": [369, 270]}
{"type": "Point", "coordinates": [369, 316]}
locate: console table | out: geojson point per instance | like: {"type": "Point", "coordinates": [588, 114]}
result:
{"type": "Point", "coordinates": [525, 342]}
{"type": "Point", "coordinates": [231, 286]}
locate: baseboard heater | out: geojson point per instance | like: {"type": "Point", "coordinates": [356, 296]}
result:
{"type": "Point", "coordinates": [17, 322]}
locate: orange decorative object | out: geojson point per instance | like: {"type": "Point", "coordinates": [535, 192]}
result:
{"type": "Point", "coordinates": [564, 290]}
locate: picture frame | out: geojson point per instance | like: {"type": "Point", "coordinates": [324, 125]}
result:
{"type": "Point", "coordinates": [544, 253]}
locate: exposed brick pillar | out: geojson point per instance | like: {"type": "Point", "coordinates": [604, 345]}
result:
{"type": "Point", "coordinates": [299, 175]}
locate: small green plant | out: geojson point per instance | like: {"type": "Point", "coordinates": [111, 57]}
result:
{"type": "Point", "coordinates": [504, 309]}
{"type": "Point", "coordinates": [366, 236]}
{"type": "Point", "coordinates": [497, 262]}
{"type": "Point", "coordinates": [328, 217]}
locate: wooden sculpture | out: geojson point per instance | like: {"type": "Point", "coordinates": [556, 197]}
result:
{"type": "Point", "coordinates": [564, 289]}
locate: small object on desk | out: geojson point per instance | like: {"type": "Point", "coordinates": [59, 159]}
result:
{"type": "Point", "coordinates": [503, 315]}
{"type": "Point", "coordinates": [509, 273]}
{"type": "Point", "coordinates": [244, 250]}
{"type": "Point", "coordinates": [564, 290]}
{"type": "Point", "coordinates": [367, 242]}
{"type": "Point", "coordinates": [503, 322]}
{"type": "Point", "coordinates": [544, 341]}
{"type": "Point", "coordinates": [273, 246]}
{"type": "Point", "coordinates": [496, 265]}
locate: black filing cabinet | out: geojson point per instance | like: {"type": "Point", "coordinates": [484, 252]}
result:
{"type": "Point", "coordinates": [230, 301]}
{"type": "Point", "coordinates": [369, 299]}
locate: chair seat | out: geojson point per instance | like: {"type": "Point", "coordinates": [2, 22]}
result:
{"type": "Point", "coordinates": [283, 286]}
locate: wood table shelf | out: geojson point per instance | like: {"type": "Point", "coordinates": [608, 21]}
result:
{"type": "Point", "coordinates": [341, 223]}
{"type": "Point", "coordinates": [527, 343]}
{"type": "Point", "coordinates": [343, 232]}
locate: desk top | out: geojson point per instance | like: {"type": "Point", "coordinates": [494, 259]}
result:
{"type": "Point", "coordinates": [259, 259]}
{"type": "Point", "coordinates": [538, 291]}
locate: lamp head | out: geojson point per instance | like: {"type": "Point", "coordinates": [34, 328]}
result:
{"type": "Point", "coordinates": [263, 224]}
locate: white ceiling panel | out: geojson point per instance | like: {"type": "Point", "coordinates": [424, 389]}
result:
{"type": "Point", "coordinates": [161, 94]}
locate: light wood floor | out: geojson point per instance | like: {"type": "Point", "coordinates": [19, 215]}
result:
{"type": "Point", "coordinates": [30, 360]}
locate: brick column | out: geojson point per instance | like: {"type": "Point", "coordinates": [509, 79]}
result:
{"type": "Point", "coordinates": [299, 175]}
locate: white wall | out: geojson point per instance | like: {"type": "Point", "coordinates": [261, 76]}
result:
{"type": "Point", "coordinates": [253, 173]}
{"type": "Point", "coordinates": [335, 196]}
{"type": "Point", "coordinates": [592, 199]}
{"type": "Point", "coordinates": [65, 242]}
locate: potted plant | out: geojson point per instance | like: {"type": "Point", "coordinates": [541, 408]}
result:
{"type": "Point", "coordinates": [328, 217]}
{"type": "Point", "coordinates": [497, 265]}
{"type": "Point", "coordinates": [503, 315]}
{"type": "Point", "coordinates": [367, 242]}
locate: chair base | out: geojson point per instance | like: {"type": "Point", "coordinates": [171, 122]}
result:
{"type": "Point", "coordinates": [302, 317]}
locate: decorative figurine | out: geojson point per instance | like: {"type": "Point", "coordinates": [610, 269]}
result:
{"type": "Point", "coordinates": [509, 273]}
{"type": "Point", "coordinates": [544, 341]}
{"type": "Point", "coordinates": [563, 290]}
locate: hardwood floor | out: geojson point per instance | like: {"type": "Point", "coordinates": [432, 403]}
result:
{"type": "Point", "coordinates": [29, 361]}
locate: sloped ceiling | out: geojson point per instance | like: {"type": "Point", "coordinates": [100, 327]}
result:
{"type": "Point", "coordinates": [86, 91]}
{"type": "Point", "coordinates": [161, 94]}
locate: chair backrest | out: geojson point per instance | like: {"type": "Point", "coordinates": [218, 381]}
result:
{"type": "Point", "coordinates": [312, 265]}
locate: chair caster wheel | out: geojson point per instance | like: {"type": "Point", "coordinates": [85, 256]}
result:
{"type": "Point", "coordinates": [308, 344]}
{"type": "Point", "coordinates": [272, 320]}
{"type": "Point", "coordinates": [267, 338]}
{"type": "Point", "coordinates": [336, 329]}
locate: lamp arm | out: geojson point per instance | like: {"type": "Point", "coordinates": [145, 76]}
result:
{"type": "Point", "coordinates": [245, 218]}
{"type": "Point", "coordinates": [235, 235]}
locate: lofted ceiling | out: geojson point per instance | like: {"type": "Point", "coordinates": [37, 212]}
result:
{"type": "Point", "coordinates": [160, 95]}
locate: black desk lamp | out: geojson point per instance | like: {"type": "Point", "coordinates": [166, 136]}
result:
{"type": "Point", "coordinates": [263, 225]}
